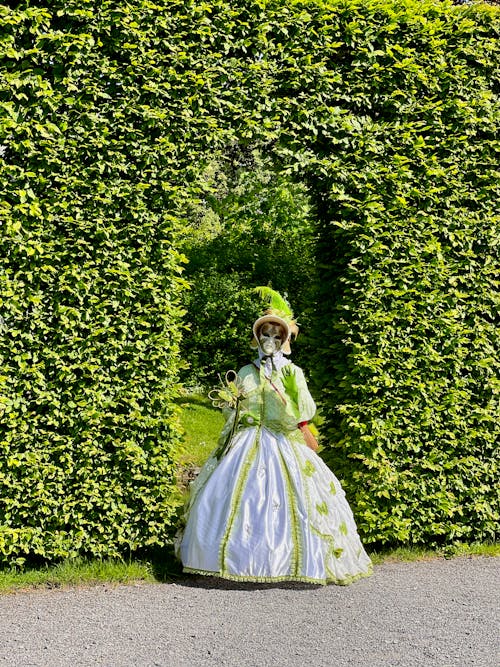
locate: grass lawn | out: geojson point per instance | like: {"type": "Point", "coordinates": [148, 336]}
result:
{"type": "Point", "coordinates": [202, 425]}
{"type": "Point", "coordinates": [75, 572]}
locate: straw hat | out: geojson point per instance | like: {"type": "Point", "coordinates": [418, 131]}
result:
{"type": "Point", "coordinates": [279, 312]}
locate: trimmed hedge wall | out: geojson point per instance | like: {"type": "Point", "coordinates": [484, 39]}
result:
{"type": "Point", "coordinates": [109, 114]}
{"type": "Point", "coordinates": [89, 292]}
{"type": "Point", "coordinates": [409, 234]}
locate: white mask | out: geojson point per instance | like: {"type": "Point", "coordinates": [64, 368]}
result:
{"type": "Point", "coordinates": [270, 338]}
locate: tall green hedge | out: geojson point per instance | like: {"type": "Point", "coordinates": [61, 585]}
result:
{"type": "Point", "coordinates": [110, 111]}
{"type": "Point", "coordinates": [409, 232]}
{"type": "Point", "coordinates": [89, 289]}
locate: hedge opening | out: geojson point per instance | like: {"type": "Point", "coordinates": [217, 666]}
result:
{"type": "Point", "coordinates": [110, 113]}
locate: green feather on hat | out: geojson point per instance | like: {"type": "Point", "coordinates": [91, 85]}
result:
{"type": "Point", "coordinates": [278, 311]}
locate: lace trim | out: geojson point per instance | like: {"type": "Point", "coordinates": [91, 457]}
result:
{"type": "Point", "coordinates": [297, 558]}
{"type": "Point", "coordinates": [236, 499]}
{"type": "Point", "coordinates": [346, 581]}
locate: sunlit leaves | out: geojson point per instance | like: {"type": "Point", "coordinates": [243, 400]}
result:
{"type": "Point", "coordinates": [409, 237]}
{"type": "Point", "coordinates": [111, 114]}
{"type": "Point", "coordinates": [89, 294]}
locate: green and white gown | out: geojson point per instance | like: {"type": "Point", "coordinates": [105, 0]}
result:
{"type": "Point", "coordinates": [270, 509]}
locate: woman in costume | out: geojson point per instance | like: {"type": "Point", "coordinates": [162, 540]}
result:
{"type": "Point", "coordinates": [265, 507]}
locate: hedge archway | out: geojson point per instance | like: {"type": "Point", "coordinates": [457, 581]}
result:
{"type": "Point", "coordinates": [387, 111]}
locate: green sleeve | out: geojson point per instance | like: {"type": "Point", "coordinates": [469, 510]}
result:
{"type": "Point", "coordinates": [307, 406]}
{"type": "Point", "coordinates": [297, 391]}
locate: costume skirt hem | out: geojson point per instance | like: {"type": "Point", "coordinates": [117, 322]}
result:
{"type": "Point", "coordinates": [349, 579]}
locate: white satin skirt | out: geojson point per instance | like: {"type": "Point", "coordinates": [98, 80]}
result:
{"type": "Point", "coordinates": [271, 510]}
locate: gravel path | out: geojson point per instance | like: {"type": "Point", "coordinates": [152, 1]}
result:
{"type": "Point", "coordinates": [439, 613]}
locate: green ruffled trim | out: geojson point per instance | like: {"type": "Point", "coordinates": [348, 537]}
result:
{"type": "Point", "coordinates": [328, 538]}
{"type": "Point", "coordinates": [270, 580]}
{"type": "Point", "coordinates": [236, 499]}
{"type": "Point", "coordinates": [297, 553]}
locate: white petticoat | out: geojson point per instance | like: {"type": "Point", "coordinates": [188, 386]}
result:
{"type": "Point", "coordinates": [271, 510]}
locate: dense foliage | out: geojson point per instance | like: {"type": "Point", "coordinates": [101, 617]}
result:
{"type": "Point", "coordinates": [111, 115]}
{"type": "Point", "coordinates": [253, 227]}
{"type": "Point", "coordinates": [410, 235]}
{"type": "Point", "coordinates": [89, 293]}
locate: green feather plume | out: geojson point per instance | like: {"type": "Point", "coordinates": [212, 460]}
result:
{"type": "Point", "coordinates": [277, 304]}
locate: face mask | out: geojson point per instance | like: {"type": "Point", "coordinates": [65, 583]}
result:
{"type": "Point", "coordinates": [270, 338]}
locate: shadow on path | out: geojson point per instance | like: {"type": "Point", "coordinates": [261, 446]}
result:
{"type": "Point", "coordinates": [167, 569]}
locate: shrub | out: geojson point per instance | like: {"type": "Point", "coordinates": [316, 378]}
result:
{"type": "Point", "coordinates": [89, 294]}
{"type": "Point", "coordinates": [111, 115]}
{"type": "Point", "coordinates": [409, 234]}
{"type": "Point", "coordinates": [253, 227]}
